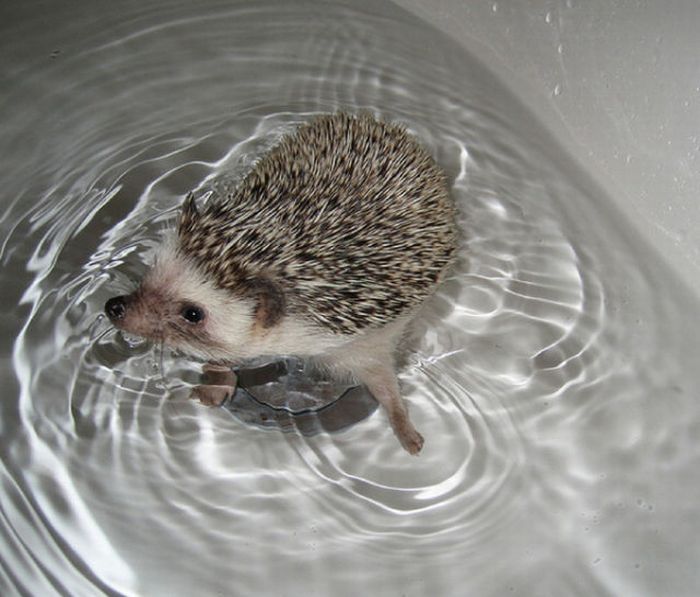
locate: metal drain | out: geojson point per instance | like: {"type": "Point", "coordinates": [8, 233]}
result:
{"type": "Point", "coordinates": [289, 395]}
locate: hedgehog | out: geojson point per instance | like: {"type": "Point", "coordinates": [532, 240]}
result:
{"type": "Point", "coordinates": [325, 250]}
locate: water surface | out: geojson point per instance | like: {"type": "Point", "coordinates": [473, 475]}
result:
{"type": "Point", "coordinates": [554, 376]}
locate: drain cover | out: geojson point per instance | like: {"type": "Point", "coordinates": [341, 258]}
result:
{"type": "Point", "coordinates": [291, 396]}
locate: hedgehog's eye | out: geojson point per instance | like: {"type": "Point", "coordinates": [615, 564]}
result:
{"type": "Point", "coordinates": [192, 313]}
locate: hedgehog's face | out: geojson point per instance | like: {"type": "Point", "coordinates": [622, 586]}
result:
{"type": "Point", "coordinates": [177, 306]}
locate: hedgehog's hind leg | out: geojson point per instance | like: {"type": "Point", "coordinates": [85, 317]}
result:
{"type": "Point", "coordinates": [381, 381]}
{"type": "Point", "coordinates": [369, 359]}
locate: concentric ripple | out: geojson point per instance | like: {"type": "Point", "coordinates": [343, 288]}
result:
{"type": "Point", "coordinates": [553, 376]}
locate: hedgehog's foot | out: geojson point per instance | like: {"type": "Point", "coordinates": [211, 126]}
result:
{"type": "Point", "coordinates": [212, 395]}
{"type": "Point", "coordinates": [220, 384]}
{"type": "Point", "coordinates": [383, 385]}
{"type": "Point", "coordinates": [408, 435]}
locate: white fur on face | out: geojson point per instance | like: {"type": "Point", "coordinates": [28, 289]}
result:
{"type": "Point", "coordinates": [177, 281]}
{"type": "Point", "coordinates": [229, 331]}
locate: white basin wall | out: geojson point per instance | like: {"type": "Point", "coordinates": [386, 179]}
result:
{"type": "Point", "coordinates": [617, 84]}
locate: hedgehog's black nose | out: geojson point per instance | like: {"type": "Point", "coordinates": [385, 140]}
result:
{"type": "Point", "coordinates": [116, 307]}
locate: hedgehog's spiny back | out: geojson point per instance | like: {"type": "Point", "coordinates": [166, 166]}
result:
{"type": "Point", "coordinates": [349, 216]}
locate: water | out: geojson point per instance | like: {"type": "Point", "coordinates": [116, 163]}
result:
{"type": "Point", "coordinates": [288, 395]}
{"type": "Point", "coordinates": [554, 377]}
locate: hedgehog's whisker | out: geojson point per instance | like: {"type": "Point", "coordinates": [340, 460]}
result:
{"type": "Point", "coordinates": [98, 331]}
{"type": "Point", "coordinates": [161, 364]}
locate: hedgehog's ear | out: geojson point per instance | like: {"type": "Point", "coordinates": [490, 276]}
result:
{"type": "Point", "coordinates": [270, 301]}
{"type": "Point", "coordinates": [189, 214]}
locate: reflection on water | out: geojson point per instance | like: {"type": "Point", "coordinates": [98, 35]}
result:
{"type": "Point", "coordinates": [553, 376]}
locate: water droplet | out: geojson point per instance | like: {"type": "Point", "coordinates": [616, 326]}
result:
{"type": "Point", "coordinates": [560, 49]}
{"type": "Point", "coordinates": [548, 18]}
{"type": "Point", "coordinates": [557, 89]}
{"type": "Point", "coordinates": [494, 7]}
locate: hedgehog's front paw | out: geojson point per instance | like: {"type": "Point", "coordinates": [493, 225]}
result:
{"type": "Point", "coordinates": [212, 395]}
{"type": "Point", "coordinates": [219, 385]}
{"type": "Point", "coordinates": [410, 439]}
